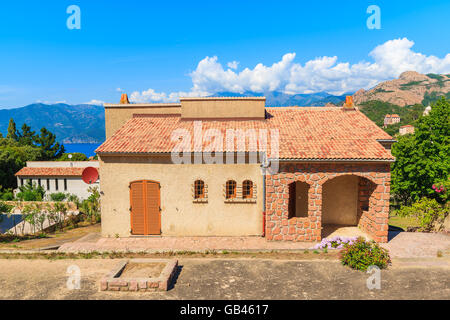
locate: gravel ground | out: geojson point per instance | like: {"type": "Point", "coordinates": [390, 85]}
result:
{"type": "Point", "coordinates": [233, 279]}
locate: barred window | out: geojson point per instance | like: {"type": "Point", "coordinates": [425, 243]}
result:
{"type": "Point", "coordinates": [230, 189]}
{"type": "Point", "coordinates": [199, 189]}
{"type": "Point", "coordinates": [247, 189]}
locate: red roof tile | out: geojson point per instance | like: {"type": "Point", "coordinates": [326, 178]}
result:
{"type": "Point", "coordinates": [305, 133]}
{"type": "Point", "coordinates": [50, 172]}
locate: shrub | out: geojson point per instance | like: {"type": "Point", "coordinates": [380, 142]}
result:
{"type": "Point", "coordinates": [362, 254]}
{"type": "Point", "coordinates": [31, 192]}
{"type": "Point", "coordinates": [428, 212]}
{"type": "Point", "coordinates": [58, 196]}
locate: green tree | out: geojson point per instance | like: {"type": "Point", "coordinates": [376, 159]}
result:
{"type": "Point", "coordinates": [26, 137]}
{"type": "Point", "coordinates": [423, 158]}
{"type": "Point", "coordinates": [46, 141]}
{"type": "Point", "coordinates": [12, 130]}
{"type": "Point", "coordinates": [76, 156]}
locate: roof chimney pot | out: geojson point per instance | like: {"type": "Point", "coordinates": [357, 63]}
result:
{"type": "Point", "coordinates": [349, 105]}
{"type": "Point", "coordinates": [124, 99]}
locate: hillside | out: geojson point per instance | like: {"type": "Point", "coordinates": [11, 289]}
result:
{"type": "Point", "coordinates": [280, 99]}
{"type": "Point", "coordinates": [71, 123]}
{"type": "Point", "coordinates": [409, 89]}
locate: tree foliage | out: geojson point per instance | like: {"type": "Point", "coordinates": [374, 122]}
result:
{"type": "Point", "coordinates": [24, 145]}
{"type": "Point", "coordinates": [422, 159]}
{"type": "Point", "coordinates": [76, 156]}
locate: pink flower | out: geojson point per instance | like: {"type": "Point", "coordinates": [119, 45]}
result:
{"type": "Point", "coordinates": [434, 186]}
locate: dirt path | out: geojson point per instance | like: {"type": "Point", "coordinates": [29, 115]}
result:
{"type": "Point", "coordinates": [231, 279]}
{"type": "Point", "coordinates": [55, 239]}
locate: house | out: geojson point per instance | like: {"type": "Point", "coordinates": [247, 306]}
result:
{"type": "Point", "coordinates": [406, 129]}
{"type": "Point", "coordinates": [57, 176]}
{"type": "Point", "coordinates": [391, 119]}
{"type": "Point", "coordinates": [234, 167]}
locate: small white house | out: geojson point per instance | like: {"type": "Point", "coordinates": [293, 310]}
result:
{"type": "Point", "coordinates": [58, 176]}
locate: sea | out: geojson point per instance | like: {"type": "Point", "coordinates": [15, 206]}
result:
{"type": "Point", "coordinates": [86, 148]}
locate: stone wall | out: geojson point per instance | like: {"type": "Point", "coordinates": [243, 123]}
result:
{"type": "Point", "coordinates": [373, 199]}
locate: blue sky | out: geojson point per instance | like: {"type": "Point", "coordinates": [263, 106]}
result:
{"type": "Point", "coordinates": [159, 50]}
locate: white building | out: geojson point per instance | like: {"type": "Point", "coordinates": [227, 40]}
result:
{"type": "Point", "coordinates": [57, 176]}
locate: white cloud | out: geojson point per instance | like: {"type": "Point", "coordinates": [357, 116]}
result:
{"type": "Point", "coordinates": [95, 102]}
{"type": "Point", "coordinates": [119, 90]}
{"type": "Point", "coordinates": [233, 65]}
{"type": "Point", "coordinates": [325, 73]}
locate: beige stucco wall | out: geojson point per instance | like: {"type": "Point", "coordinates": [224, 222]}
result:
{"type": "Point", "coordinates": [180, 216]}
{"type": "Point", "coordinates": [340, 201]}
{"type": "Point", "coordinates": [117, 115]}
{"type": "Point", "coordinates": [203, 108]}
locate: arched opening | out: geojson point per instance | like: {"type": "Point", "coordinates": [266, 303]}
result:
{"type": "Point", "coordinates": [298, 199]}
{"type": "Point", "coordinates": [247, 189]}
{"type": "Point", "coordinates": [230, 189]}
{"type": "Point", "coordinates": [199, 189]}
{"type": "Point", "coordinates": [344, 201]}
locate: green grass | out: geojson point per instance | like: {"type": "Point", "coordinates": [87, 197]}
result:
{"type": "Point", "coordinates": [402, 222]}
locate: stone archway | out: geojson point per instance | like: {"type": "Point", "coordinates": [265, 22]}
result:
{"type": "Point", "coordinates": [345, 200]}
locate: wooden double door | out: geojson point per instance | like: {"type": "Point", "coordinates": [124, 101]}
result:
{"type": "Point", "coordinates": [145, 207]}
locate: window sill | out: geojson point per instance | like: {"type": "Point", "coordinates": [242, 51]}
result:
{"type": "Point", "coordinates": [240, 200]}
{"type": "Point", "coordinates": [200, 201]}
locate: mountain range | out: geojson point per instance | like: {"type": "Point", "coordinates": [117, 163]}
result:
{"type": "Point", "coordinates": [86, 123]}
{"type": "Point", "coordinates": [70, 123]}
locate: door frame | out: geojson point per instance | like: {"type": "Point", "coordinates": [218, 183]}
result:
{"type": "Point", "coordinates": [146, 216]}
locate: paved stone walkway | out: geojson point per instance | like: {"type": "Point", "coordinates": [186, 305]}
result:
{"type": "Point", "coordinates": [417, 244]}
{"type": "Point", "coordinates": [164, 244]}
{"type": "Point", "coordinates": [401, 244]}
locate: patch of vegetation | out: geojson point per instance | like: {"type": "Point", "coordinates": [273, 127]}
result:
{"type": "Point", "coordinates": [381, 90]}
{"type": "Point", "coordinates": [58, 196]}
{"type": "Point", "coordinates": [407, 86]}
{"type": "Point", "coordinates": [76, 156]}
{"type": "Point", "coordinates": [362, 254]}
{"type": "Point", "coordinates": [402, 222]}
{"type": "Point", "coordinates": [377, 110]}
{"type": "Point", "coordinates": [428, 213]}
{"type": "Point", "coordinates": [431, 97]}
{"type": "Point", "coordinates": [30, 192]}
{"type": "Point", "coordinates": [24, 145]}
{"type": "Point", "coordinates": [423, 159]}
{"type": "Point", "coordinates": [438, 77]}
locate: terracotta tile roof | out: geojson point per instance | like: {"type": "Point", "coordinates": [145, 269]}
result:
{"type": "Point", "coordinates": [312, 133]}
{"type": "Point", "coordinates": [50, 172]}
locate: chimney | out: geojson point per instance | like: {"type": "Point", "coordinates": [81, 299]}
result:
{"type": "Point", "coordinates": [124, 99]}
{"type": "Point", "coordinates": [349, 105]}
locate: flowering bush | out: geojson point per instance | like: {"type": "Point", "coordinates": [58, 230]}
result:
{"type": "Point", "coordinates": [440, 189]}
{"type": "Point", "coordinates": [334, 243]}
{"type": "Point", "coordinates": [362, 254]}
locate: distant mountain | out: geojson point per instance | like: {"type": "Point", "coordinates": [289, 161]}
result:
{"type": "Point", "coordinates": [86, 123]}
{"type": "Point", "coordinates": [409, 89]}
{"type": "Point", "coordinates": [71, 123]}
{"type": "Point", "coordinates": [280, 99]}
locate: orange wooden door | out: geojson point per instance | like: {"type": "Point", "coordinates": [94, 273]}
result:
{"type": "Point", "coordinates": [145, 208]}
